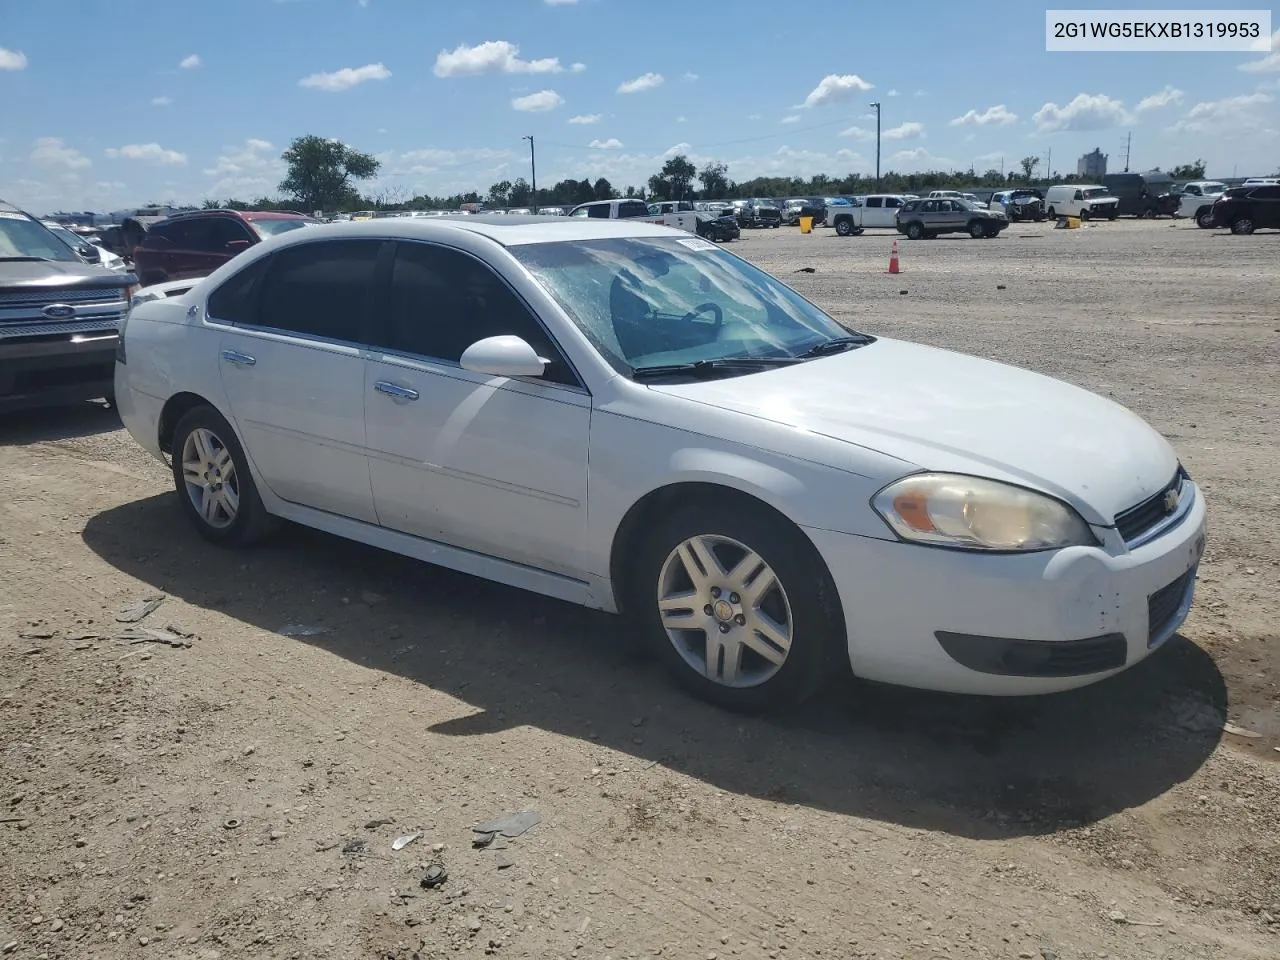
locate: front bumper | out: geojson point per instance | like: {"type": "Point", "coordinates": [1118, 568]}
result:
{"type": "Point", "coordinates": [53, 371]}
{"type": "Point", "coordinates": [1010, 625]}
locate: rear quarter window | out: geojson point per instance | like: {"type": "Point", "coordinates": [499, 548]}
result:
{"type": "Point", "coordinates": [235, 301]}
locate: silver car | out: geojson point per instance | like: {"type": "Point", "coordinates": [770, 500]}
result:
{"type": "Point", "coordinates": [922, 219]}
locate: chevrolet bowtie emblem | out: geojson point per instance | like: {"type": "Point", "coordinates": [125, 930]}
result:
{"type": "Point", "coordinates": [1171, 498]}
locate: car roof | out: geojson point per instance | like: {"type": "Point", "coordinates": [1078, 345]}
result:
{"type": "Point", "coordinates": [510, 230]}
{"type": "Point", "coordinates": [272, 215]}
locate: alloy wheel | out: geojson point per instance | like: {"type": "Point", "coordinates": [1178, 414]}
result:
{"type": "Point", "coordinates": [209, 473]}
{"type": "Point", "coordinates": [725, 611]}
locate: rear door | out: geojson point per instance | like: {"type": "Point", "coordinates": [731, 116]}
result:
{"type": "Point", "coordinates": [875, 213]}
{"type": "Point", "coordinates": [1266, 207]}
{"type": "Point", "coordinates": [293, 366]}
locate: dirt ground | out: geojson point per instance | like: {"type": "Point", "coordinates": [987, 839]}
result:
{"type": "Point", "coordinates": [238, 797]}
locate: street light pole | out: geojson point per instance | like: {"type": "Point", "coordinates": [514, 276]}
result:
{"type": "Point", "coordinates": [877, 106]}
{"type": "Point", "coordinates": [533, 169]}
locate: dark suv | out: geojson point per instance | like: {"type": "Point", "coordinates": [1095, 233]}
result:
{"type": "Point", "coordinates": [1246, 209]}
{"type": "Point", "coordinates": [760, 213]}
{"type": "Point", "coordinates": [195, 244]}
{"type": "Point", "coordinates": [59, 317]}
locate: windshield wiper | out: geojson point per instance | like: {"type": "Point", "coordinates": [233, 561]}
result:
{"type": "Point", "coordinates": [835, 345]}
{"type": "Point", "coordinates": [25, 260]}
{"type": "Point", "coordinates": [708, 367]}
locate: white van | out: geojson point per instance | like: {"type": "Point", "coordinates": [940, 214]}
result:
{"type": "Point", "coordinates": [1083, 200]}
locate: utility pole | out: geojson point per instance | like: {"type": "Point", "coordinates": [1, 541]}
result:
{"type": "Point", "coordinates": [1049, 166]}
{"type": "Point", "coordinates": [877, 106]}
{"type": "Point", "coordinates": [1128, 145]}
{"type": "Point", "coordinates": [533, 169]}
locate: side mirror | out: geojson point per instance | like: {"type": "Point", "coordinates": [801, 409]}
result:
{"type": "Point", "coordinates": [237, 244]}
{"type": "Point", "coordinates": [89, 252]}
{"type": "Point", "coordinates": [504, 356]}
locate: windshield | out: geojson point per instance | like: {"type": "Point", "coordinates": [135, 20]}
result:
{"type": "Point", "coordinates": [656, 301]}
{"type": "Point", "coordinates": [23, 238]}
{"type": "Point", "coordinates": [272, 227]}
{"type": "Point", "coordinates": [1096, 192]}
{"type": "Point", "coordinates": [1213, 189]}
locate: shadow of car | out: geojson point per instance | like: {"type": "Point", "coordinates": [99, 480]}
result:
{"type": "Point", "coordinates": [976, 767]}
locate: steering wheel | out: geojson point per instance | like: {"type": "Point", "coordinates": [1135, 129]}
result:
{"type": "Point", "coordinates": [712, 308]}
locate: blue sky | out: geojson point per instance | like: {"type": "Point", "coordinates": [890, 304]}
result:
{"type": "Point", "coordinates": [108, 103]}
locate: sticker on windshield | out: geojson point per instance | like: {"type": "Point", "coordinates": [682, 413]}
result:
{"type": "Point", "coordinates": [697, 243]}
{"type": "Point", "coordinates": [6, 215]}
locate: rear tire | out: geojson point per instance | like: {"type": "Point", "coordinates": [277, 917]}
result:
{"type": "Point", "coordinates": [1242, 226]}
{"type": "Point", "coordinates": [228, 511]}
{"type": "Point", "coordinates": [1204, 219]}
{"type": "Point", "coordinates": [1051, 213]}
{"type": "Point", "coordinates": [801, 609]}
{"type": "Point", "coordinates": [844, 226]}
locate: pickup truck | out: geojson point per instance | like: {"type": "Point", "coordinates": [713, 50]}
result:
{"type": "Point", "coordinates": [1196, 201]}
{"type": "Point", "coordinates": [59, 317]}
{"type": "Point", "coordinates": [631, 209]}
{"type": "Point", "coordinates": [877, 210]}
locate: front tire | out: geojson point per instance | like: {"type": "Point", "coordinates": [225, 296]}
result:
{"type": "Point", "coordinates": [1084, 215]}
{"type": "Point", "coordinates": [738, 605]}
{"type": "Point", "coordinates": [1204, 219]}
{"type": "Point", "coordinates": [977, 229]}
{"type": "Point", "coordinates": [915, 231]}
{"type": "Point", "coordinates": [1242, 226]}
{"type": "Point", "coordinates": [215, 486]}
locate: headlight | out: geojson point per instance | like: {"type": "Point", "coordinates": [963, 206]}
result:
{"type": "Point", "coordinates": [970, 513]}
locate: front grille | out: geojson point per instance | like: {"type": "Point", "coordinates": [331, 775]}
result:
{"type": "Point", "coordinates": [26, 328]}
{"type": "Point", "coordinates": [1164, 604]}
{"type": "Point", "coordinates": [36, 299]}
{"type": "Point", "coordinates": [1035, 658]}
{"type": "Point", "coordinates": [1137, 520]}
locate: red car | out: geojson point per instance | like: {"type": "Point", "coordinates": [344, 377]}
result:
{"type": "Point", "coordinates": [195, 244]}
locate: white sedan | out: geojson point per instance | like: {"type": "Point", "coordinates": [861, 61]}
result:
{"type": "Point", "coordinates": [629, 418]}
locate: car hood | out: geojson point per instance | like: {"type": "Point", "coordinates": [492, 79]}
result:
{"type": "Point", "coordinates": [57, 274]}
{"type": "Point", "coordinates": [945, 411]}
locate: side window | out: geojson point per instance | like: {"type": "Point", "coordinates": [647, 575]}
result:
{"type": "Point", "coordinates": [222, 230]}
{"type": "Point", "coordinates": [1266, 193]}
{"type": "Point", "coordinates": [601, 211]}
{"type": "Point", "coordinates": [236, 300]}
{"type": "Point", "coordinates": [178, 233]}
{"type": "Point", "coordinates": [929, 206]}
{"type": "Point", "coordinates": [632, 208]}
{"type": "Point", "coordinates": [321, 289]}
{"type": "Point", "coordinates": [893, 201]}
{"type": "Point", "coordinates": [1079, 195]}
{"type": "Point", "coordinates": [581, 212]}
{"type": "Point", "coordinates": [443, 301]}
{"type": "Point", "coordinates": [875, 203]}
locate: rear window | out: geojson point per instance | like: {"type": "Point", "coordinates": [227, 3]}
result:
{"type": "Point", "coordinates": [270, 227]}
{"type": "Point", "coordinates": [632, 208]}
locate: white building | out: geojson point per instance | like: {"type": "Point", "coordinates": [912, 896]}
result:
{"type": "Point", "coordinates": [1092, 166]}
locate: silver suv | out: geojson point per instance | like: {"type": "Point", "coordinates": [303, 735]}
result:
{"type": "Point", "coordinates": [922, 219]}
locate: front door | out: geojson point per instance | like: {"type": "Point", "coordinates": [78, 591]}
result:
{"type": "Point", "coordinates": [293, 367]}
{"type": "Point", "coordinates": [491, 464]}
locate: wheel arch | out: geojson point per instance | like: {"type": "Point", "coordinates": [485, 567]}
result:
{"type": "Point", "coordinates": [175, 408]}
{"type": "Point", "coordinates": [754, 486]}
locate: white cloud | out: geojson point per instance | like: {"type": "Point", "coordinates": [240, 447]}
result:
{"type": "Point", "coordinates": [346, 78]}
{"type": "Point", "coordinates": [578, 67]}
{"type": "Point", "coordinates": [791, 118]}
{"type": "Point", "coordinates": [835, 87]}
{"type": "Point", "coordinates": [586, 118]}
{"type": "Point", "coordinates": [538, 102]}
{"type": "Point", "coordinates": [52, 152]}
{"type": "Point", "coordinates": [1086, 111]}
{"type": "Point", "coordinates": [1268, 64]}
{"type": "Point", "coordinates": [858, 133]}
{"type": "Point", "coordinates": [681, 147]}
{"type": "Point", "coordinates": [12, 59]}
{"type": "Point", "coordinates": [613, 143]}
{"type": "Point", "coordinates": [754, 116]}
{"type": "Point", "coordinates": [1229, 115]}
{"type": "Point", "coordinates": [689, 77]}
{"type": "Point", "coordinates": [991, 157]}
{"type": "Point", "coordinates": [1169, 96]}
{"type": "Point", "coordinates": [905, 131]}
{"type": "Point", "coordinates": [682, 119]}
{"type": "Point", "coordinates": [148, 153]}
{"type": "Point", "coordinates": [559, 3]}
{"type": "Point", "coordinates": [161, 101]}
{"type": "Point", "coordinates": [893, 93]}
{"type": "Point", "coordinates": [249, 170]}
{"type": "Point", "coordinates": [646, 81]}
{"type": "Point", "coordinates": [997, 115]}
{"type": "Point", "coordinates": [921, 93]}
{"type": "Point", "coordinates": [191, 62]}
{"type": "Point", "coordinates": [492, 56]}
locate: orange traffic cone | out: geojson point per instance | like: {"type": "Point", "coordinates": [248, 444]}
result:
{"type": "Point", "coordinates": [893, 259]}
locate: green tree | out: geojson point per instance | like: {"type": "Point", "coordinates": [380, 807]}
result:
{"type": "Point", "coordinates": [321, 171]}
{"type": "Point", "coordinates": [675, 180]}
{"type": "Point", "coordinates": [1188, 171]}
{"type": "Point", "coordinates": [500, 194]}
{"type": "Point", "coordinates": [603, 190]}
{"type": "Point", "coordinates": [1029, 165]}
{"type": "Point", "coordinates": [714, 178]}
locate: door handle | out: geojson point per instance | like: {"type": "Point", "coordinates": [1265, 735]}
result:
{"type": "Point", "coordinates": [395, 391]}
{"type": "Point", "coordinates": [239, 359]}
